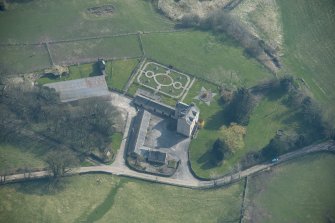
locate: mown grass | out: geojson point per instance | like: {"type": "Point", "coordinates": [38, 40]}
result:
{"type": "Point", "coordinates": [301, 191]}
{"type": "Point", "coordinates": [88, 50]}
{"type": "Point", "coordinates": [23, 59]}
{"type": "Point", "coordinates": [100, 198]}
{"type": "Point", "coordinates": [42, 20]}
{"type": "Point", "coordinates": [203, 55]}
{"type": "Point", "coordinates": [120, 71]}
{"type": "Point", "coordinates": [309, 35]}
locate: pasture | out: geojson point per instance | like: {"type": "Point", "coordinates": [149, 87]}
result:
{"type": "Point", "coordinates": [66, 53]}
{"type": "Point", "coordinates": [45, 20]}
{"type": "Point", "coordinates": [120, 199]}
{"type": "Point", "coordinates": [23, 59]}
{"type": "Point", "coordinates": [309, 34]}
{"type": "Point", "coordinates": [301, 191]}
{"type": "Point", "coordinates": [203, 55]}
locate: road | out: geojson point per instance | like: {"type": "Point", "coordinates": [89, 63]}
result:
{"type": "Point", "coordinates": [121, 170]}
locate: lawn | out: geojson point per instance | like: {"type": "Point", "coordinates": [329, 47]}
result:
{"type": "Point", "coordinates": [90, 50]}
{"type": "Point", "coordinates": [75, 71]}
{"type": "Point", "coordinates": [23, 59]}
{"type": "Point", "coordinates": [309, 35]}
{"type": "Point", "coordinates": [120, 71]}
{"type": "Point", "coordinates": [203, 55]}
{"type": "Point", "coordinates": [43, 20]}
{"type": "Point", "coordinates": [214, 119]}
{"type": "Point", "coordinates": [269, 115]}
{"type": "Point", "coordinates": [301, 191]}
{"type": "Point", "coordinates": [100, 198]}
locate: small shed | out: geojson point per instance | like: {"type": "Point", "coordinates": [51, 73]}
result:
{"type": "Point", "coordinates": [157, 157]}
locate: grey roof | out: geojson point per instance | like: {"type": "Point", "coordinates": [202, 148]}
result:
{"type": "Point", "coordinates": [138, 131]}
{"type": "Point", "coordinates": [141, 100]}
{"type": "Point", "coordinates": [81, 88]}
{"type": "Point", "coordinates": [147, 94]}
{"type": "Point", "coordinates": [156, 157]}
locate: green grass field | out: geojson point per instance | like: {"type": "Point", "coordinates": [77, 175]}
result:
{"type": "Point", "coordinates": [309, 34]}
{"type": "Point", "coordinates": [302, 191]}
{"type": "Point", "coordinates": [23, 59]}
{"type": "Point", "coordinates": [42, 20]}
{"type": "Point", "coordinates": [201, 54]}
{"type": "Point", "coordinates": [120, 72]}
{"type": "Point", "coordinates": [75, 71]}
{"type": "Point", "coordinates": [115, 47]}
{"type": "Point", "coordinates": [117, 199]}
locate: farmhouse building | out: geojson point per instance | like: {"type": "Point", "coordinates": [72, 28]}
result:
{"type": "Point", "coordinates": [187, 116]}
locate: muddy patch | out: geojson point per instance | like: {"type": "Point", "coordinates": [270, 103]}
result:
{"type": "Point", "coordinates": [101, 11]}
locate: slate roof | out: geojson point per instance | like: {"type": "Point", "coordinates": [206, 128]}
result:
{"type": "Point", "coordinates": [141, 100]}
{"type": "Point", "coordinates": [138, 131]}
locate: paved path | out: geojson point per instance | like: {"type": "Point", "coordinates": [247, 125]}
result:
{"type": "Point", "coordinates": [121, 170]}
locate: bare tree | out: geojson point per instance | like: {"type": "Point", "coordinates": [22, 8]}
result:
{"type": "Point", "coordinates": [60, 162]}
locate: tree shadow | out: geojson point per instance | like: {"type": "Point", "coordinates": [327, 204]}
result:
{"type": "Point", "coordinates": [95, 70]}
{"type": "Point", "coordinates": [276, 94]}
{"type": "Point", "coordinates": [43, 187]}
{"type": "Point", "coordinates": [217, 120]}
{"type": "Point", "coordinates": [206, 160]}
{"type": "Point", "coordinates": [102, 208]}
